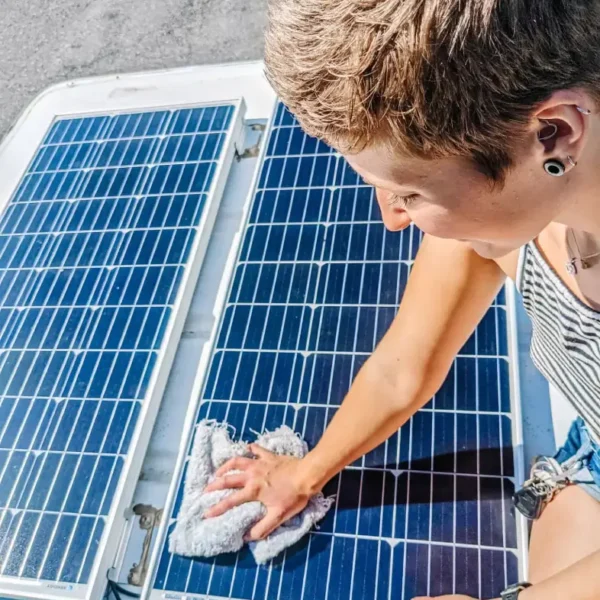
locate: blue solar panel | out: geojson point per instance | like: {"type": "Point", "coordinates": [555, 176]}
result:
{"type": "Point", "coordinates": [94, 249]}
{"type": "Point", "coordinates": [316, 285]}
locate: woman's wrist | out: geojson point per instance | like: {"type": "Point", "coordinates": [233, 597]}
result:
{"type": "Point", "coordinates": [312, 474]}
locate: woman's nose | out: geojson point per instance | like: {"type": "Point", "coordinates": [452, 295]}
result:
{"type": "Point", "coordinates": [394, 217]}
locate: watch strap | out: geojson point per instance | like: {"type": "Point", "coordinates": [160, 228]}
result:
{"type": "Point", "coordinates": [512, 593]}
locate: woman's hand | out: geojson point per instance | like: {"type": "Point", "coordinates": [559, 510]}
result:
{"type": "Point", "coordinates": [274, 480]}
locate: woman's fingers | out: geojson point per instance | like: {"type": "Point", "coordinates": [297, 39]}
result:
{"type": "Point", "coordinates": [241, 463]}
{"type": "Point", "coordinates": [227, 482]}
{"type": "Point", "coordinates": [260, 452]}
{"type": "Point", "coordinates": [268, 478]}
{"type": "Point", "coordinates": [228, 503]}
{"type": "Point", "coordinates": [265, 527]}
{"type": "Point", "coordinates": [235, 464]}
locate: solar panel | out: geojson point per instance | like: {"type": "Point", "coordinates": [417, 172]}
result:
{"type": "Point", "coordinates": [316, 284]}
{"type": "Point", "coordinates": [100, 247]}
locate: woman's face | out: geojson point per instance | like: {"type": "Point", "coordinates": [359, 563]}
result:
{"type": "Point", "coordinates": [449, 198]}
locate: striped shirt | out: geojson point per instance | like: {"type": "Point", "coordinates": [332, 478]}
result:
{"type": "Point", "coordinates": [565, 343]}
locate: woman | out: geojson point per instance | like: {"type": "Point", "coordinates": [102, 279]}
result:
{"type": "Point", "coordinates": [478, 121]}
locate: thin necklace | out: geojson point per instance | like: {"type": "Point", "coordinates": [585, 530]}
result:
{"type": "Point", "coordinates": [571, 264]}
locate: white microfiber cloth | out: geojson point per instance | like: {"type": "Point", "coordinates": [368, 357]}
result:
{"type": "Point", "coordinates": [195, 536]}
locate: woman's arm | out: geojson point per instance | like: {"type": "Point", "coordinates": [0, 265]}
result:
{"type": "Point", "coordinates": [448, 292]}
{"type": "Point", "coordinates": [580, 581]}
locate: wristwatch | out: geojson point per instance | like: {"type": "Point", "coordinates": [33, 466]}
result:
{"type": "Point", "coordinates": [512, 593]}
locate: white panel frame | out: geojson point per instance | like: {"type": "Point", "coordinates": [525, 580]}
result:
{"type": "Point", "coordinates": [242, 85]}
{"type": "Point", "coordinates": [517, 425]}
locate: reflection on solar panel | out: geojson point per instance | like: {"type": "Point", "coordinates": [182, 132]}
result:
{"type": "Point", "coordinates": [96, 248]}
{"type": "Point", "coordinates": [316, 285]}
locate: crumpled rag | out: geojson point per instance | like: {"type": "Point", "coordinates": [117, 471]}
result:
{"type": "Point", "coordinates": [198, 537]}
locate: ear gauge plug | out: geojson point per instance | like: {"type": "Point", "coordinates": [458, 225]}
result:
{"type": "Point", "coordinates": [554, 167]}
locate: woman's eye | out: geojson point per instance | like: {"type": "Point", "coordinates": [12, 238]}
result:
{"type": "Point", "coordinates": [402, 201]}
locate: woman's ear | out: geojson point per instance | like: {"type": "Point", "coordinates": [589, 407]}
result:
{"type": "Point", "coordinates": [563, 126]}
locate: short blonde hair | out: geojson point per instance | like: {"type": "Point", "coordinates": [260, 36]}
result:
{"type": "Point", "coordinates": [432, 78]}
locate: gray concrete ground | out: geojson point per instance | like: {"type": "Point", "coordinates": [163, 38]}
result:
{"type": "Point", "coordinates": [43, 42]}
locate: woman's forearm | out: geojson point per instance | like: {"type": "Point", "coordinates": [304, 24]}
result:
{"type": "Point", "coordinates": [449, 290]}
{"type": "Point", "coordinates": [372, 411]}
{"type": "Point", "coordinates": [580, 581]}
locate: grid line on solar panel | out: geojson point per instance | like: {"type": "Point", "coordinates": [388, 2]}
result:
{"type": "Point", "coordinates": [93, 249]}
{"type": "Point", "coordinates": [317, 283]}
